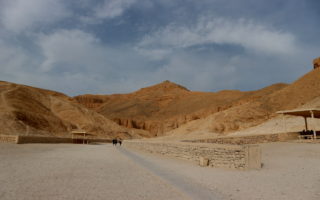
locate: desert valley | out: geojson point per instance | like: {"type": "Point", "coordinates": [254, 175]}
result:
{"type": "Point", "coordinates": [165, 109]}
{"type": "Point", "coordinates": [159, 100]}
{"type": "Point", "coordinates": [238, 134]}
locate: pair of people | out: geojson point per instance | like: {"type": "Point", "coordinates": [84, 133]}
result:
{"type": "Point", "coordinates": [116, 141]}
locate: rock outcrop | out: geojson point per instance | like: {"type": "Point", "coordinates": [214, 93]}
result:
{"type": "Point", "coordinates": [166, 106]}
{"type": "Point", "coordinates": [32, 111]}
{"type": "Point", "coordinates": [257, 110]}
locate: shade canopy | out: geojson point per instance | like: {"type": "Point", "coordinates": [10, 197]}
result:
{"type": "Point", "coordinates": [84, 136]}
{"type": "Point", "coordinates": [302, 112]}
{"type": "Point", "coordinates": [81, 132]}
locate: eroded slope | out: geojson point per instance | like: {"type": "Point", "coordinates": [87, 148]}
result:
{"type": "Point", "coordinates": [34, 111]}
{"type": "Point", "coordinates": [166, 106]}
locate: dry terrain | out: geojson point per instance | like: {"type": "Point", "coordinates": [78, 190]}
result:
{"type": "Point", "coordinates": [92, 172]}
{"type": "Point", "coordinates": [42, 171]}
{"type": "Point", "coordinates": [29, 110]}
{"type": "Point", "coordinates": [171, 109]}
{"type": "Point", "coordinates": [166, 106]}
{"type": "Point", "coordinates": [165, 109]}
{"type": "Point", "coordinates": [303, 93]}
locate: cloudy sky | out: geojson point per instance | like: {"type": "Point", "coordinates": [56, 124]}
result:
{"type": "Point", "coordinates": [118, 46]}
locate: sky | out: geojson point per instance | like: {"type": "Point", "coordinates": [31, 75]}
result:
{"type": "Point", "coordinates": [118, 46]}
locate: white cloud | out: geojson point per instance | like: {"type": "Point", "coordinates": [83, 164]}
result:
{"type": "Point", "coordinates": [18, 15]}
{"type": "Point", "coordinates": [84, 64]}
{"type": "Point", "coordinates": [112, 8]}
{"type": "Point", "coordinates": [72, 48]}
{"type": "Point", "coordinates": [19, 66]}
{"type": "Point", "coordinates": [248, 34]}
{"type": "Point", "coordinates": [108, 9]}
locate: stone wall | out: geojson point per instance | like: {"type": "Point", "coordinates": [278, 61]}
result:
{"type": "Point", "coordinates": [8, 139]}
{"type": "Point", "coordinates": [45, 139]}
{"type": "Point", "coordinates": [221, 156]}
{"type": "Point", "coordinates": [42, 139]}
{"type": "Point", "coordinates": [252, 139]}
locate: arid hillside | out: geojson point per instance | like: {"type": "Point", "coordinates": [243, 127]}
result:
{"type": "Point", "coordinates": [162, 109]}
{"type": "Point", "coordinates": [27, 110]}
{"type": "Point", "coordinates": [258, 110]}
{"type": "Point", "coordinates": [166, 106]}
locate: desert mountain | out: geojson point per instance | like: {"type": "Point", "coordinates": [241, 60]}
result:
{"type": "Point", "coordinates": [163, 108]}
{"type": "Point", "coordinates": [304, 92]}
{"type": "Point", "coordinates": [28, 110]}
{"type": "Point", "coordinates": [166, 106]}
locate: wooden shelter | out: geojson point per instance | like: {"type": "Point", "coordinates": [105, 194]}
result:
{"type": "Point", "coordinates": [81, 136]}
{"type": "Point", "coordinates": [305, 113]}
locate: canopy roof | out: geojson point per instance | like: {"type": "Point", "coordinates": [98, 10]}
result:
{"type": "Point", "coordinates": [302, 112]}
{"type": "Point", "coordinates": [81, 132]}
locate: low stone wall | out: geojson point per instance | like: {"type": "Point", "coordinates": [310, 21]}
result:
{"type": "Point", "coordinates": [252, 139]}
{"type": "Point", "coordinates": [221, 156]}
{"type": "Point", "coordinates": [45, 139]}
{"type": "Point", "coordinates": [8, 139]}
{"type": "Point", "coordinates": [42, 139]}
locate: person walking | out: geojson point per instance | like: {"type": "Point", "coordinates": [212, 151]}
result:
{"type": "Point", "coordinates": [114, 142]}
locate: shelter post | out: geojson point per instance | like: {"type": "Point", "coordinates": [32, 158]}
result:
{"type": "Point", "coordinates": [313, 125]}
{"type": "Point", "coordinates": [284, 123]}
{"type": "Point", "coordinates": [305, 123]}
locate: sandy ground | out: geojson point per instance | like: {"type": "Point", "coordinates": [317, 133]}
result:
{"type": "Point", "coordinates": [278, 124]}
{"type": "Point", "coordinates": [291, 171]}
{"type": "Point", "coordinates": [66, 171]}
{"type": "Point", "coordinates": [44, 171]}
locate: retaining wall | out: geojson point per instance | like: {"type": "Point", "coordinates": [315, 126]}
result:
{"type": "Point", "coordinates": [8, 139]}
{"type": "Point", "coordinates": [44, 139]}
{"type": "Point", "coordinates": [221, 156]}
{"type": "Point", "coordinates": [252, 139]}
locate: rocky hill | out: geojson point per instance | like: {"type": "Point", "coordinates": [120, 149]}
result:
{"type": "Point", "coordinates": [258, 110]}
{"type": "Point", "coordinates": [166, 106]}
{"type": "Point", "coordinates": [28, 110]}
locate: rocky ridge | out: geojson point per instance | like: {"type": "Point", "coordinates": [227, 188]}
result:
{"type": "Point", "coordinates": [32, 111]}
{"type": "Point", "coordinates": [167, 106]}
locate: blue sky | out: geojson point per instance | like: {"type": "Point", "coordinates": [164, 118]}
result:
{"type": "Point", "coordinates": [118, 46]}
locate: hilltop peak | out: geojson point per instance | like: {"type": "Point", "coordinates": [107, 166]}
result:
{"type": "Point", "coordinates": [165, 85]}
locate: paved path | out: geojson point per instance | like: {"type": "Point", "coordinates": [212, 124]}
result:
{"type": "Point", "coordinates": [64, 171]}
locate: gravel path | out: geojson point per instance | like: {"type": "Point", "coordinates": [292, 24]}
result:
{"type": "Point", "coordinates": [64, 171]}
